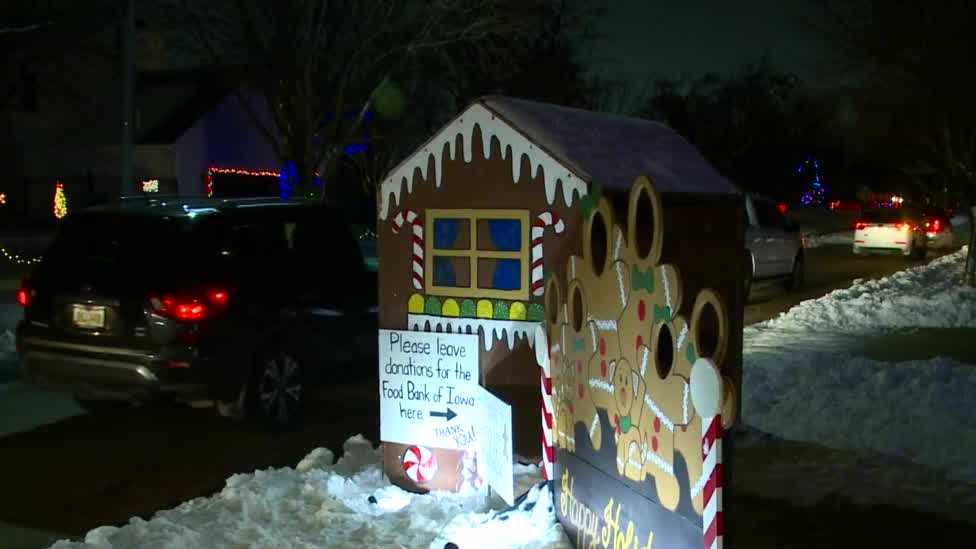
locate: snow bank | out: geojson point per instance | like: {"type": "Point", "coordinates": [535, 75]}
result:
{"type": "Point", "coordinates": [348, 503]}
{"type": "Point", "coordinates": [9, 361]}
{"type": "Point", "coordinates": [925, 296]}
{"type": "Point", "coordinates": [803, 378]}
{"type": "Point", "coordinates": [840, 238]}
{"type": "Point", "coordinates": [919, 410]}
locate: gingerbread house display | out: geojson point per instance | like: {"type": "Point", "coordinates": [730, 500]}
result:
{"type": "Point", "coordinates": [604, 248]}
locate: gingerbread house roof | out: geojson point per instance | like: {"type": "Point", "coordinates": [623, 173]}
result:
{"type": "Point", "coordinates": [612, 150]}
{"type": "Point", "coordinates": [573, 148]}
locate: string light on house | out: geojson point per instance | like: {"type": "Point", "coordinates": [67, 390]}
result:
{"type": "Point", "coordinates": [60, 201]}
{"type": "Point", "coordinates": [212, 171]}
{"type": "Point", "coordinates": [150, 186]}
{"type": "Point", "coordinates": [17, 258]}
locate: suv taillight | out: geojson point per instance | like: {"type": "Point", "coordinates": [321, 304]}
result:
{"type": "Point", "coordinates": [24, 293]}
{"type": "Point", "coordinates": [190, 307]}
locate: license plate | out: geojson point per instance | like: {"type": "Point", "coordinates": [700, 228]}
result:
{"type": "Point", "coordinates": [91, 317]}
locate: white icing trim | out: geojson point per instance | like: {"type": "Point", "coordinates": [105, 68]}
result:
{"type": "Point", "coordinates": [509, 330]}
{"type": "Point", "coordinates": [514, 145]}
{"type": "Point", "coordinates": [620, 285]}
{"type": "Point", "coordinates": [681, 336]}
{"type": "Point", "coordinates": [600, 384]}
{"type": "Point", "coordinates": [604, 325]}
{"type": "Point", "coordinates": [657, 412]}
{"type": "Point", "coordinates": [649, 455]}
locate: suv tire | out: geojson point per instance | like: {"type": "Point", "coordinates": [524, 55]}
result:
{"type": "Point", "coordinates": [918, 251]}
{"type": "Point", "coordinates": [747, 279]}
{"type": "Point", "coordinates": [103, 407]}
{"type": "Point", "coordinates": [795, 281]}
{"type": "Point", "coordinates": [277, 391]}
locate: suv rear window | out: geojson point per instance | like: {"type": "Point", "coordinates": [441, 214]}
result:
{"type": "Point", "coordinates": [99, 245]}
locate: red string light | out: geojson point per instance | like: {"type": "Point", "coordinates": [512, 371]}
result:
{"type": "Point", "coordinates": [212, 170]}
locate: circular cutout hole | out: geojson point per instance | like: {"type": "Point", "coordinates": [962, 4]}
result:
{"type": "Point", "coordinates": [552, 302]}
{"type": "Point", "coordinates": [578, 310]}
{"type": "Point", "coordinates": [598, 243]}
{"type": "Point", "coordinates": [664, 355]}
{"type": "Point", "coordinates": [644, 224]}
{"type": "Point", "coordinates": [707, 331]}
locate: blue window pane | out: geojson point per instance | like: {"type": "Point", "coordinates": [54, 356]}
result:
{"type": "Point", "coordinates": [452, 272]}
{"type": "Point", "coordinates": [500, 234]}
{"type": "Point", "coordinates": [500, 274]}
{"type": "Point", "coordinates": [444, 272]}
{"type": "Point", "coordinates": [451, 234]}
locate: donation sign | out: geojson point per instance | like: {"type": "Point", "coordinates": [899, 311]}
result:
{"type": "Point", "coordinates": [429, 389]}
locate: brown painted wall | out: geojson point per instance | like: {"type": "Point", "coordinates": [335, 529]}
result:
{"type": "Point", "coordinates": [481, 184]}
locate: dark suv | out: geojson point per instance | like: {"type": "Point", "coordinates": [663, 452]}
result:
{"type": "Point", "coordinates": [242, 302]}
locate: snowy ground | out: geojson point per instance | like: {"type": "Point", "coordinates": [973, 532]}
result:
{"type": "Point", "coordinates": [24, 407]}
{"type": "Point", "coordinates": [804, 378]}
{"type": "Point", "coordinates": [344, 503]}
{"type": "Point", "coordinates": [926, 296]}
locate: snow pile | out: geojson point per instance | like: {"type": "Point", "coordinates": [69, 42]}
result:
{"type": "Point", "coordinates": [7, 343]}
{"type": "Point", "coordinates": [349, 503]}
{"type": "Point", "coordinates": [803, 378]}
{"type": "Point", "coordinates": [919, 410]}
{"type": "Point", "coordinates": [925, 296]}
{"type": "Point", "coordinates": [829, 239]}
{"type": "Point", "coordinates": [9, 361]}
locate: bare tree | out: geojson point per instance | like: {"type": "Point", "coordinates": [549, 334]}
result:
{"type": "Point", "coordinates": [542, 63]}
{"type": "Point", "coordinates": [915, 58]}
{"type": "Point", "coordinates": [53, 49]}
{"type": "Point", "coordinates": [317, 64]}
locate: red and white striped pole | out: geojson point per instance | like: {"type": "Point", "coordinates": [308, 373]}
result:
{"type": "Point", "coordinates": [417, 223]}
{"type": "Point", "coordinates": [542, 352]}
{"type": "Point", "coordinates": [547, 218]}
{"type": "Point", "coordinates": [706, 386]}
{"type": "Point", "coordinates": [712, 520]}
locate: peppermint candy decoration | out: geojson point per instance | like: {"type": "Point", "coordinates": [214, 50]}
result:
{"type": "Point", "coordinates": [419, 464]}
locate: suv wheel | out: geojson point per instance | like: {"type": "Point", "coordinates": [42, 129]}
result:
{"type": "Point", "coordinates": [795, 281]}
{"type": "Point", "coordinates": [103, 407]}
{"type": "Point", "coordinates": [747, 279]}
{"type": "Point", "coordinates": [918, 250]}
{"type": "Point", "coordinates": [277, 392]}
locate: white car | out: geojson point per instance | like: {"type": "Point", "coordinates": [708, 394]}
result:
{"type": "Point", "coordinates": [896, 230]}
{"type": "Point", "coordinates": [774, 246]}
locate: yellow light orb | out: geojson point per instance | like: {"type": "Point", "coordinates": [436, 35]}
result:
{"type": "Point", "coordinates": [485, 309]}
{"type": "Point", "coordinates": [517, 311]}
{"type": "Point", "coordinates": [450, 308]}
{"type": "Point", "coordinates": [416, 304]}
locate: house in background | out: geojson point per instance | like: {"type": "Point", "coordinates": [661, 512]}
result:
{"type": "Point", "coordinates": [193, 138]}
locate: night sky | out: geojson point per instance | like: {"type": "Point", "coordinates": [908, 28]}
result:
{"type": "Point", "coordinates": [647, 38]}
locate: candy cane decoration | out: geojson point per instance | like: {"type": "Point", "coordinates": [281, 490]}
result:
{"type": "Point", "coordinates": [417, 223]}
{"type": "Point", "coordinates": [419, 464]}
{"type": "Point", "coordinates": [547, 218]}
{"type": "Point", "coordinates": [712, 494]}
{"type": "Point", "coordinates": [706, 396]}
{"type": "Point", "coordinates": [543, 352]}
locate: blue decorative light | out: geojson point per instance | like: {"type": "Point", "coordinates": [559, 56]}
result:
{"type": "Point", "coordinates": [356, 148]}
{"type": "Point", "coordinates": [816, 193]}
{"type": "Point", "coordinates": [286, 179]}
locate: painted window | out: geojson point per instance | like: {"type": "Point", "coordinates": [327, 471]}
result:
{"type": "Point", "coordinates": [477, 253]}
